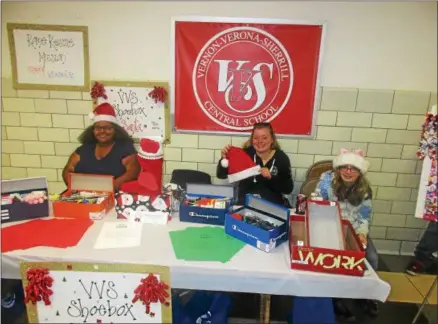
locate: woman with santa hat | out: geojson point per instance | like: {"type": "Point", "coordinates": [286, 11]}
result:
{"type": "Point", "coordinates": [106, 149]}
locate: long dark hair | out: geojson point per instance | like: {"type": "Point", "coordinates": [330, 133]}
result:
{"type": "Point", "coordinates": [355, 193]}
{"type": "Point", "coordinates": [275, 145]}
{"type": "Point", "coordinates": [120, 134]}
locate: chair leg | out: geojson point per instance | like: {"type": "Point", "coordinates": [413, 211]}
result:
{"type": "Point", "coordinates": [265, 308]}
{"type": "Point", "coordinates": [425, 301]}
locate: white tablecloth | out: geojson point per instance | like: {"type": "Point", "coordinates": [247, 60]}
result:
{"type": "Point", "coordinates": [250, 270]}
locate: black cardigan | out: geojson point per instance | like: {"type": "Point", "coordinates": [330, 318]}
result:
{"type": "Point", "coordinates": [269, 189]}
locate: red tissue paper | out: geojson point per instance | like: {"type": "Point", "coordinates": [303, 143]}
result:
{"type": "Point", "coordinates": [60, 233]}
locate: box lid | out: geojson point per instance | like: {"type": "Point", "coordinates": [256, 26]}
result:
{"type": "Point", "coordinates": [92, 182]}
{"type": "Point", "coordinates": [266, 206]}
{"type": "Point", "coordinates": [210, 189]}
{"type": "Point", "coordinates": [14, 185]}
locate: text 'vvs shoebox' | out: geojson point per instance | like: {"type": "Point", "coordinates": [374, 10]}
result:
{"type": "Point", "coordinates": [87, 196]}
{"type": "Point", "coordinates": [24, 199]}
{"type": "Point", "coordinates": [206, 204]}
{"type": "Point", "coordinates": [259, 223]}
{"type": "Point", "coordinates": [322, 241]}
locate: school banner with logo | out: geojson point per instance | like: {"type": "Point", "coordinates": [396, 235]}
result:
{"type": "Point", "coordinates": [229, 74]}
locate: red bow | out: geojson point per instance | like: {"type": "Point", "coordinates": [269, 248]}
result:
{"type": "Point", "coordinates": [37, 288]}
{"type": "Point", "coordinates": [98, 91]}
{"type": "Point", "coordinates": [151, 291]}
{"type": "Point", "coordinates": [159, 94]}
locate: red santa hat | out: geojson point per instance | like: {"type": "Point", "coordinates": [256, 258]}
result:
{"type": "Point", "coordinates": [104, 112]}
{"type": "Point", "coordinates": [352, 157]}
{"type": "Point", "coordinates": [150, 149]}
{"type": "Point", "coordinates": [240, 165]}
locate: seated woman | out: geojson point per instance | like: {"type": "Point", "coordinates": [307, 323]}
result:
{"type": "Point", "coordinates": [275, 179]}
{"type": "Point", "coordinates": [106, 149]}
{"type": "Point", "coordinates": [348, 185]}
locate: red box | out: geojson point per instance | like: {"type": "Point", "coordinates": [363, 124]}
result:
{"type": "Point", "coordinates": [88, 183]}
{"type": "Point", "coordinates": [341, 253]}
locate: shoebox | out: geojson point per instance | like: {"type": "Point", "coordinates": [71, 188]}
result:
{"type": "Point", "coordinates": [322, 241]}
{"type": "Point", "coordinates": [87, 196]}
{"type": "Point", "coordinates": [24, 199]}
{"type": "Point", "coordinates": [206, 203]}
{"type": "Point", "coordinates": [259, 223]}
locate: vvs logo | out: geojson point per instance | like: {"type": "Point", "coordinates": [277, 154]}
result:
{"type": "Point", "coordinates": [242, 76]}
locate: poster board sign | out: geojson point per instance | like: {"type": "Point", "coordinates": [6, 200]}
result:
{"type": "Point", "coordinates": [49, 57]}
{"type": "Point", "coordinates": [139, 114]}
{"type": "Point", "coordinates": [96, 293]}
{"type": "Point", "coordinates": [230, 73]}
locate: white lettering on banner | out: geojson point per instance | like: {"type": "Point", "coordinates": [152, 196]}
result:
{"type": "Point", "coordinates": [242, 76]}
{"type": "Point", "coordinates": [235, 228]}
{"type": "Point", "coordinates": [193, 214]}
{"type": "Point", "coordinates": [330, 261]}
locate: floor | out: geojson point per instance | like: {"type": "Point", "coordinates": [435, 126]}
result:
{"type": "Point", "coordinates": [245, 307]}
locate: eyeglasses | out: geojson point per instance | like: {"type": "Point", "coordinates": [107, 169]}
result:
{"type": "Point", "coordinates": [103, 128]}
{"type": "Point", "coordinates": [349, 168]}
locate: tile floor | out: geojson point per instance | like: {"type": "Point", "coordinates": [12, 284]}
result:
{"type": "Point", "coordinates": [246, 306]}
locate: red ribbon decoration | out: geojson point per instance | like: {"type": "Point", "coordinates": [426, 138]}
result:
{"type": "Point", "coordinates": [151, 291]}
{"type": "Point", "coordinates": [38, 286]}
{"type": "Point", "coordinates": [159, 94]}
{"type": "Point", "coordinates": [98, 91]}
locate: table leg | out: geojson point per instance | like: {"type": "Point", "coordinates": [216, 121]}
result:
{"type": "Point", "coordinates": [265, 309]}
{"type": "Point", "coordinates": [425, 301]}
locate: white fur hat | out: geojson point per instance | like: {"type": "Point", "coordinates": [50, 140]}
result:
{"type": "Point", "coordinates": [352, 157]}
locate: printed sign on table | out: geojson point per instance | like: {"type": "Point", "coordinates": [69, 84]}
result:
{"type": "Point", "coordinates": [230, 73]}
{"type": "Point", "coordinates": [96, 293]}
{"type": "Point", "coordinates": [138, 111]}
{"type": "Point", "coordinates": [49, 57]}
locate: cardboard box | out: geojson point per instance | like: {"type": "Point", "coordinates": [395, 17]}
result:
{"type": "Point", "coordinates": [88, 183]}
{"type": "Point", "coordinates": [265, 240]}
{"type": "Point", "coordinates": [20, 208]}
{"type": "Point", "coordinates": [206, 215]}
{"type": "Point", "coordinates": [322, 241]}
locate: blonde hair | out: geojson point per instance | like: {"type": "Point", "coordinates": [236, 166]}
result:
{"type": "Point", "coordinates": [354, 194]}
{"type": "Point", "coordinates": [275, 145]}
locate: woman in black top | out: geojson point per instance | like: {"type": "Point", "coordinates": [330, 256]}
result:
{"type": "Point", "coordinates": [275, 178]}
{"type": "Point", "coordinates": [106, 149]}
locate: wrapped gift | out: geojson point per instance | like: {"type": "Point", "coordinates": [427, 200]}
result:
{"type": "Point", "coordinates": [24, 199]}
{"type": "Point", "coordinates": [259, 223]}
{"type": "Point", "coordinates": [87, 196]}
{"type": "Point", "coordinates": [322, 241]}
{"type": "Point", "coordinates": [141, 208]}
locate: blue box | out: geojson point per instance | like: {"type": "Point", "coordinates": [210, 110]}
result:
{"type": "Point", "coordinates": [265, 240]}
{"type": "Point", "coordinates": [205, 215]}
{"type": "Point", "coordinates": [20, 210]}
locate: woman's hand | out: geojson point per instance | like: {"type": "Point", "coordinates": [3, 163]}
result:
{"type": "Point", "coordinates": [265, 173]}
{"type": "Point", "coordinates": [225, 151]}
{"type": "Point", "coordinates": [363, 239]}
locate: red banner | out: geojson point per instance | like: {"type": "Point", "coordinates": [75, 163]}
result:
{"type": "Point", "coordinates": [228, 76]}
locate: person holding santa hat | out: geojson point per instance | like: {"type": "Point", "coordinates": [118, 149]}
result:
{"type": "Point", "coordinates": [106, 149]}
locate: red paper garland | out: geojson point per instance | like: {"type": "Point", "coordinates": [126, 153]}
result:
{"type": "Point", "coordinates": [37, 287]}
{"type": "Point", "coordinates": [159, 94]}
{"type": "Point", "coordinates": [98, 91]}
{"type": "Point", "coordinates": [151, 291]}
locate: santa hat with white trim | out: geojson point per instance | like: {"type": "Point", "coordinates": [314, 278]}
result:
{"type": "Point", "coordinates": [103, 112]}
{"type": "Point", "coordinates": [352, 157]}
{"type": "Point", "coordinates": [150, 149]}
{"type": "Point", "coordinates": [240, 165]}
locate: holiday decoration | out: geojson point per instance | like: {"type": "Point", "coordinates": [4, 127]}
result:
{"type": "Point", "coordinates": [159, 94]}
{"type": "Point", "coordinates": [151, 291]}
{"type": "Point", "coordinates": [38, 286]}
{"type": "Point", "coordinates": [98, 91]}
{"type": "Point", "coordinates": [240, 165]}
{"type": "Point", "coordinates": [103, 112]}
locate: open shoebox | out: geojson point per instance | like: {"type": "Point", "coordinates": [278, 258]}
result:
{"type": "Point", "coordinates": [322, 241]}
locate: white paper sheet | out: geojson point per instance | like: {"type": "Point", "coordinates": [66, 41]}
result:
{"type": "Point", "coordinates": [115, 235]}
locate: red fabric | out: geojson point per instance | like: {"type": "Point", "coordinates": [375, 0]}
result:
{"type": "Point", "coordinates": [105, 109]}
{"type": "Point", "coordinates": [60, 233]}
{"type": "Point", "coordinates": [238, 160]}
{"type": "Point", "coordinates": [150, 146]}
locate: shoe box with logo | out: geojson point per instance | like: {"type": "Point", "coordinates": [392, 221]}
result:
{"type": "Point", "coordinates": [263, 211]}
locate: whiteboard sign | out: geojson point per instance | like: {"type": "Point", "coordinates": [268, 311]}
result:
{"type": "Point", "coordinates": [136, 111]}
{"type": "Point", "coordinates": [105, 294]}
{"type": "Point", "coordinates": [49, 57]}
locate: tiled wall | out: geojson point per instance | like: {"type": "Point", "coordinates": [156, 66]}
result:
{"type": "Point", "coordinates": [40, 128]}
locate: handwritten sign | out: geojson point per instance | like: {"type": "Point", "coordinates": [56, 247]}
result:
{"type": "Point", "coordinates": [96, 293]}
{"type": "Point", "coordinates": [136, 111]}
{"type": "Point", "coordinates": [49, 57]}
